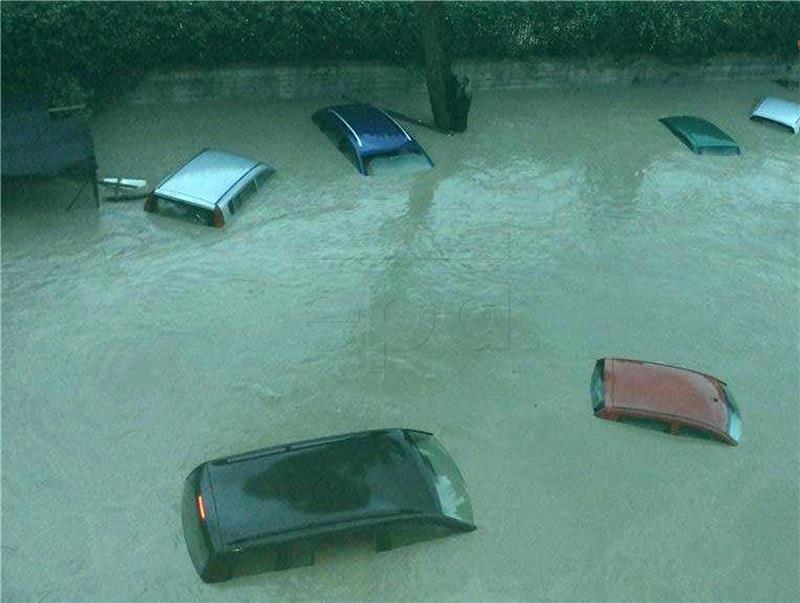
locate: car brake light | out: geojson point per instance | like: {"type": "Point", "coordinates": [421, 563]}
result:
{"type": "Point", "coordinates": [219, 219]}
{"type": "Point", "coordinates": [201, 508]}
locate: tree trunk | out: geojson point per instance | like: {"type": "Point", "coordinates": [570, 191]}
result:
{"type": "Point", "coordinates": [449, 97]}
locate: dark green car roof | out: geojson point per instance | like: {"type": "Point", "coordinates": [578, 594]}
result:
{"type": "Point", "coordinates": [315, 484]}
{"type": "Point", "coordinates": [701, 136]}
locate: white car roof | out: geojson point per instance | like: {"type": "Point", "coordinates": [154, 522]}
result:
{"type": "Point", "coordinates": [780, 111]}
{"type": "Point", "coordinates": [206, 179]}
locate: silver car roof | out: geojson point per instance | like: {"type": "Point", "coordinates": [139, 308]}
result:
{"type": "Point", "coordinates": [206, 179]}
{"type": "Point", "coordinates": [780, 111]}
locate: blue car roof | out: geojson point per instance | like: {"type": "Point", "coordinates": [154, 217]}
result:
{"type": "Point", "coordinates": [373, 130]}
{"type": "Point", "coordinates": [370, 130]}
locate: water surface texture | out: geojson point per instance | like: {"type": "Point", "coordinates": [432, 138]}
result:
{"type": "Point", "coordinates": [471, 300]}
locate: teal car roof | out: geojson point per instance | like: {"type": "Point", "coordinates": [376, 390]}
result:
{"type": "Point", "coordinates": [700, 135]}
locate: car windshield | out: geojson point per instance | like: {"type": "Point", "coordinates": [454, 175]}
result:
{"type": "Point", "coordinates": [734, 420]}
{"type": "Point", "coordinates": [731, 400]}
{"type": "Point", "coordinates": [447, 479]}
{"type": "Point", "coordinates": [184, 211]}
{"type": "Point", "coordinates": [403, 163]}
{"type": "Point", "coordinates": [598, 386]}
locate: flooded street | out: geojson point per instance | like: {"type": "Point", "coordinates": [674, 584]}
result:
{"type": "Point", "coordinates": [471, 300]}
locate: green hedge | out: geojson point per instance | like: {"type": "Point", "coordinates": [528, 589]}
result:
{"type": "Point", "coordinates": [671, 30]}
{"type": "Point", "coordinates": [65, 48]}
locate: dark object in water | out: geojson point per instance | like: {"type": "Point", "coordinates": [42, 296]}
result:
{"type": "Point", "coordinates": [267, 509]}
{"type": "Point", "coordinates": [448, 94]}
{"type": "Point", "coordinates": [701, 136]}
{"type": "Point", "coordinates": [39, 143]}
{"type": "Point", "coordinates": [123, 197]}
{"type": "Point", "coordinates": [788, 84]}
{"type": "Point", "coordinates": [678, 397]}
{"type": "Point", "coordinates": [363, 132]}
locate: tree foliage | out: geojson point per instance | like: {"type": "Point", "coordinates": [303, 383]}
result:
{"type": "Point", "coordinates": [64, 47]}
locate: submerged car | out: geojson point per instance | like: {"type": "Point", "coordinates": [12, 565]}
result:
{"type": "Point", "coordinates": [209, 188]}
{"type": "Point", "coordinates": [268, 508]}
{"type": "Point", "coordinates": [778, 111]}
{"type": "Point", "coordinates": [368, 136]}
{"type": "Point", "coordinates": [701, 136]}
{"type": "Point", "coordinates": [677, 397]}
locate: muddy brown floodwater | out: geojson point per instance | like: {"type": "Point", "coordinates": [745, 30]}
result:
{"type": "Point", "coordinates": [471, 300]}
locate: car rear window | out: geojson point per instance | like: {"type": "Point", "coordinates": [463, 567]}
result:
{"type": "Point", "coordinates": [447, 479]}
{"type": "Point", "coordinates": [401, 163]}
{"type": "Point", "coordinates": [185, 211]}
{"type": "Point", "coordinates": [598, 386]}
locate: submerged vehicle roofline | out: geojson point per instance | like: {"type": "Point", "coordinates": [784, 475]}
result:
{"type": "Point", "coordinates": [260, 168]}
{"type": "Point", "coordinates": [616, 410]}
{"type": "Point", "coordinates": [664, 364]}
{"type": "Point", "coordinates": [701, 135]}
{"type": "Point", "coordinates": [394, 121]}
{"type": "Point", "coordinates": [368, 132]}
{"type": "Point", "coordinates": [332, 523]}
{"type": "Point", "coordinates": [393, 482]}
{"type": "Point", "coordinates": [254, 454]}
{"type": "Point", "coordinates": [778, 111]}
{"type": "Point", "coordinates": [347, 124]}
{"type": "Point", "coordinates": [643, 390]}
{"type": "Point", "coordinates": [175, 194]}
{"type": "Point", "coordinates": [332, 527]}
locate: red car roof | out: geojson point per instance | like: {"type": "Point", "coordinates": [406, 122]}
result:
{"type": "Point", "coordinates": [676, 396]}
